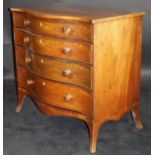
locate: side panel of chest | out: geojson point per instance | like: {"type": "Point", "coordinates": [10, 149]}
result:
{"type": "Point", "coordinates": [117, 50]}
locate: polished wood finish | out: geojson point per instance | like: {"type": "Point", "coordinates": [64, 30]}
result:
{"type": "Point", "coordinates": [79, 63]}
{"type": "Point", "coordinates": [121, 38]}
{"type": "Point", "coordinates": [71, 12]}
{"type": "Point", "coordinates": [22, 76]}
{"type": "Point", "coordinates": [59, 28]}
{"type": "Point", "coordinates": [48, 110]}
{"type": "Point", "coordinates": [57, 70]}
{"type": "Point", "coordinates": [54, 69]}
{"type": "Point", "coordinates": [55, 47]}
{"type": "Point", "coordinates": [79, 100]}
{"type": "Point", "coordinates": [21, 95]}
{"type": "Point", "coordinates": [21, 55]}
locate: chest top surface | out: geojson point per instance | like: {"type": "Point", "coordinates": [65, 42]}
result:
{"type": "Point", "coordinates": [69, 11]}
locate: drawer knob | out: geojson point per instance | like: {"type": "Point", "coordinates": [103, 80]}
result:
{"type": "Point", "coordinates": [67, 30]}
{"type": "Point", "coordinates": [28, 59]}
{"type": "Point", "coordinates": [66, 50]}
{"type": "Point", "coordinates": [43, 83]}
{"type": "Point", "coordinates": [26, 40]}
{"type": "Point", "coordinates": [41, 24]}
{"type": "Point", "coordinates": [42, 61]}
{"type": "Point", "coordinates": [26, 22]}
{"type": "Point", "coordinates": [29, 82]}
{"type": "Point", "coordinates": [40, 41]}
{"type": "Point", "coordinates": [68, 97]}
{"type": "Point", "coordinates": [67, 72]}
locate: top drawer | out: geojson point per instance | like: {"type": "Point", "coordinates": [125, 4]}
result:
{"type": "Point", "coordinates": [49, 27]}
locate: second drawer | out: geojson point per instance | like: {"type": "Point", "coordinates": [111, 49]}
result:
{"type": "Point", "coordinates": [70, 50]}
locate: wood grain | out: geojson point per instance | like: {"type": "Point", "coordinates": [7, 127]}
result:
{"type": "Point", "coordinates": [55, 70]}
{"type": "Point", "coordinates": [54, 111]}
{"type": "Point", "coordinates": [135, 77]}
{"type": "Point", "coordinates": [53, 28]}
{"type": "Point", "coordinates": [73, 12]}
{"type": "Point", "coordinates": [22, 76]}
{"type": "Point", "coordinates": [80, 100]}
{"type": "Point", "coordinates": [80, 51]}
{"type": "Point", "coordinates": [114, 53]}
{"type": "Point", "coordinates": [20, 55]}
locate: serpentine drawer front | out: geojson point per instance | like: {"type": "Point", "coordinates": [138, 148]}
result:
{"type": "Point", "coordinates": [71, 50]}
{"type": "Point", "coordinates": [79, 62]}
{"type": "Point", "coordinates": [61, 28]}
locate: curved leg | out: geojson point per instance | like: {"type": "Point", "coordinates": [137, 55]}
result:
{"type": "Point", "coordinates": [20, 97]}
{"type": "Point", "coordinates": [93, 131]}
{"type": "Point", "coordinates": [136, 117]}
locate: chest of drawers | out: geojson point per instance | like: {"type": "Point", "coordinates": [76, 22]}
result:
{"type": "Point", "coordinates": [79, 63]}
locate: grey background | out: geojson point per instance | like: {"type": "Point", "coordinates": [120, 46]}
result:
{"type": "Point", "coordinates": [129, 5]}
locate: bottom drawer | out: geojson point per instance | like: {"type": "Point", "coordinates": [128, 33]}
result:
{"type": "Point", "coordinates": [60, 95]}
{"type": "Point", "coordinates": [55, 111]}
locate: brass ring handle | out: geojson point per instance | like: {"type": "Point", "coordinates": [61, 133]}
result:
{"type": "Point", "coordinates": [67, 30]}
{"type": "Point", "coordinates": [67, 72]}
{"type": "Point", "coordinates": [68, 97]}
{"type": "Point", "coordinates": [26, 40]}
{"type": "Point", "coordinates": [29, 82]}
{"type": "Point", "coordinates": [28, 59]}
{"type": "Point", "coordinates": [66, 50]}
{"type": "Point", "coordinates": [26, 22]}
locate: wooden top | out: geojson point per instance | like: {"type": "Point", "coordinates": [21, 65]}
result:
{"type": "Point", "coordinates": [72, 12]}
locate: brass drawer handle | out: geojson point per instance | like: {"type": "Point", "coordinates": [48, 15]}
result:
{"type": "Point", "coordinates": [26, 22]}
{"type": "Point", "coordinates": [26, 40]}
{"type": "Point", "coordinates": [67, 30]}
{"type": "Point", "coordinates": [43, 83]}
{"type": "Point", "coordinates": [29, 82]}
{"type": "Point", "coordinates": [42, 61]}
{"type": "Point", "coordinates": [66, 50]}
{"type": "Point", "coordinates": [68, 97]}
{"type": "Point", "coordinates": [41, 24]}
{"type": "Point", "coordinates": [67, 72]}
{"type": "Point", "coordinates": [28, 59]}
{"type": "Point", "coordinates": [40, 41]}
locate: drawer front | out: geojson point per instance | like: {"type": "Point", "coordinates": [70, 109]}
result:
{"type": "Point", "coordinates": [60, 95]}
{"type": "Point", "coordinates": [69, 50]}
{"type": "Point", "coordinates": [63, 71]}
{"type": "Point", "coordinates": [60, 28]}
{"type": "Point", "coordinates": [22, 76]}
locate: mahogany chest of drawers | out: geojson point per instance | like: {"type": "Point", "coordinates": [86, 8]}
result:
{"type": "Point", "coordinates": [79, 63]}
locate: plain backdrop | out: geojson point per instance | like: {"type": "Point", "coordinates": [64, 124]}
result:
{"type": "Point", "coordinates": [129, 5]}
